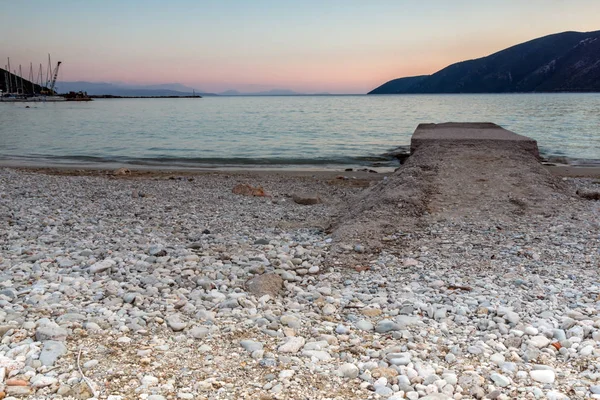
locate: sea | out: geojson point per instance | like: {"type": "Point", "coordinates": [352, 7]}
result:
{"type": "Point", "coordinates": [297, 132]}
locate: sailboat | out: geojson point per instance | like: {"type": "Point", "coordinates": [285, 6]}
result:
{"type": "Point", "coordinates": [16, 90]}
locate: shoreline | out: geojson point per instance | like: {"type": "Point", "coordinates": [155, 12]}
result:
{"type": "Point", "coordinates": [108, 169]}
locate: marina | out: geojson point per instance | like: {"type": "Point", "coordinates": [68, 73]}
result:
{"type": "Point", "coordinates": [14, 88]}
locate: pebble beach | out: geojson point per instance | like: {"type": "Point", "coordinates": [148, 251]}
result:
{"type": "Point", "coordinates": [175, 287]}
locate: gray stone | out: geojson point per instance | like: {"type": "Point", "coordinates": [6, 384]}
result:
{"type": "Point", "coordinates": [50, 332]}
{"type": "Point", "coordinates": [51, 351]}
{"type": "Point", "coordinates": [318, 354]}
{"type": "Point", "coordinates": [436, 396]}
{"type": "Point", "coordinates": [251, 346]}
{"type": "Point", "coordinates": [386, 325]}
{"type": "Point", "coordinates": [364, 325]}
{"type": "Point", "coordinates": [292, 345]}
{"type": "Point", "coordinates": [306, 199]}
{"type": "Point", "coordinates": [199, 332]}
{"type": "Point", "coordinates": [102, 266]}
{"type": "Point", "coordinates": [349, 370]}
{"type": "Point", "coordinates": [512, 317]}
{"type": "Point", "coordinates": [500, 380]}
{"type": "Point", "coordinates": [260, 285]}
{"type": "Point", "coordinates": [175, 323]}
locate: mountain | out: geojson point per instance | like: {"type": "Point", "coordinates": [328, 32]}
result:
{"type": "Point", "coordinates": [563, 62]}
{"type": "Point", "coordinates": [16, 82]}
{"type": "Point", "coordinates": [103, 88]}
{"type": "Point", "coordinates": [400, 85]}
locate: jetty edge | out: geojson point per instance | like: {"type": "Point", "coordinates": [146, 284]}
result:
{"type": "Point", "coordinates": [465, 133]}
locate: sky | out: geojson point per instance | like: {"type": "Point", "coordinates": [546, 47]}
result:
{"type": "Point", "coordinates": [310, 46]}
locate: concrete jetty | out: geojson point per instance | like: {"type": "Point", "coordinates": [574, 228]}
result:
{"type": "Point", "coordinates": [460, 171]}
{"type": "Point", "coordinates": [470, 133]}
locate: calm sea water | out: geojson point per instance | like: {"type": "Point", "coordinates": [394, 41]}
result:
{"type": "Point", "coordinates": [308, 131]}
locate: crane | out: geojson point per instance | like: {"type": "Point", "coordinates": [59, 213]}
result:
{"type": "Point", "coordinates": [54, 77]}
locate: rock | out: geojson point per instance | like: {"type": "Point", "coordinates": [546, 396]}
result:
{"type": "Point", "coordinates": [102, 266]}
{"type": "Point", "coordinates": [384, 372]}
{"type": "Point", "coordinates": [248, 190]}
{"type": "Point", "coordinates": [383, 391]}
{"type": "Point", "coordinates": [51, 351]}
{"type": "Point", "coordinates": [371, 312]}
{"type": "Point", "coordinates": [386, 325]}
{"type": "Point", "coordinates": [199, 332]}
{"type": "Point", "coordinates": [470, 380]}
{"type": "Point", "coordinates": [292, 345]}
{"type": "Point", "coordinates": [40, 381]}
{"type": "Point", "coordinates": [251, 346]}
{"type": "Point", "coordinates": [50, 332]}
{"type": "Point", "coordinates": [349, 370]}
{"type": "Point", "coordinates": [497, 358]}
{"type": "Point", "coordinates": [512, 317]}
{"type": "Point", "coordinates": [90, 364]}
{"type": "Point", "coordinates": [542, 376]}
{"type": "Point", "coordinates": [18, 391]}
{"type": "Point", "coordinates": [328, 309]}
{"type": "Point", "coordinates": [269, 283]}
{"type": "Point", "coordinates": [500, 380]}
{"type": "Point", "coordinates": [530, 330]}
{"type": "Point", "coordinates": [149, 381]}
{"type": "Point", "coordinates": [5, 328]}
{"type": "Point", "coordinates": [286, 373]}
{"type": "Point", "coordinates": [364, 325]}
{"type": "Point", "coordinates": [291, 321]}
{"type": "Point", "coordinates": [81, 391]}
{"type": "Point", "coordinates": [92, 327]}
{"type": "Point", "coordinates": [410, 262]}
{"type": "Point", "coordinates": [121, 171]}
{"type": "Point", "coordinates": [261, 242]}
{"type": "Point", "coordinates": [540, 341]}
{"type": "Point", "coordinates": [175, 323]}
{"type": "Point", "coordinates": [306, 199]}
{"type": "Point", "coordinates": [554, 395]}
{"type": "Point", "coordinates": [318, 354]}
{"type": "Point", "coordinates": [10, 293]}
{"type": "Point", "coordinates": [436, 396]}
{"type": "Point", "coordinates": [589, 194]}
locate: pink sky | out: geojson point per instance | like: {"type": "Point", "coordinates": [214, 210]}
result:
{"type": "Point", "coordinates": [331, 46]}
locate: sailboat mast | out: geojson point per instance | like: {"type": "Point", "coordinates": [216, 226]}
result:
{"type": "Point", "coordinates": [48, 71]}
{"type": "Point", "coordinates": [21, 78]}
{"type": "Point", "coordinates": [31, 78]}
{"type": "Point", "coordinates": [16, 81]}
{"type": "Point", "coordinates": [41, 75]}
{"type": "Point", "coordinates": [9, 77]}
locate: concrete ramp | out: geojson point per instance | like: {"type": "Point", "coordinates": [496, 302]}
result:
{"type": "Point", "coordinates": [474, 133]}
{"type": "Point", "coordinates": [463, 171]}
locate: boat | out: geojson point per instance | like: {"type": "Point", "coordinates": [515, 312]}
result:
{"type": "Point", "coordinates": [21, 98]}
{"type": "Point", "coordinates": [77, 96]}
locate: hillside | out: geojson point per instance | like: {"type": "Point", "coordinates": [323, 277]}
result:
{"type": "Point", "coordinates": [28, 87]}
{"type": "Point", "coordinates": [563, 62]}
{"type": "Point", "coordinates": [400, 85]}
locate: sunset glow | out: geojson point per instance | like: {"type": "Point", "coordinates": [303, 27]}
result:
{"type": "Point", "coordinates": [336, 47]}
